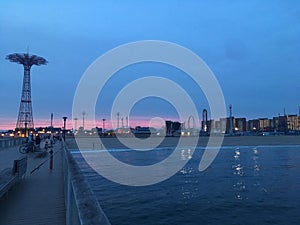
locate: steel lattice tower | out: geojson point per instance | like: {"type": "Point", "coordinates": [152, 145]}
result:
{"type": "Point", "coordinates": [25, 117]}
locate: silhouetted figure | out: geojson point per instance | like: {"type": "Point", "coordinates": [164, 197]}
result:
{"type": "Point", "coordinates": [37, 140]}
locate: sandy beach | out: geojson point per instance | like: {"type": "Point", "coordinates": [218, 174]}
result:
{"type": "Point", "coordinates": [113, 142]}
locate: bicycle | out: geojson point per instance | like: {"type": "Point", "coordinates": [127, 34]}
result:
{"type": "Point", "coordinates": [27, 147]}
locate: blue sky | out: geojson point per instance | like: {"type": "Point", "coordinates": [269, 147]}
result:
{"type": "Point", "coordinates": [251, 46]}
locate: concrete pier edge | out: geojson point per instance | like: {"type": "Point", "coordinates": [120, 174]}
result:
{"type": "Point", "coordinates": [82, 207]}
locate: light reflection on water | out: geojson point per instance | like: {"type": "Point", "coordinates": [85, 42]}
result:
{"type": "Point", "coordinates": [244, 185]}
{"type": "Point", "coordinates": [186, 154]}
{"type": "Point", "coordinates": [239, 186]}
{"type": "Point", "coordinates": [256, 170]}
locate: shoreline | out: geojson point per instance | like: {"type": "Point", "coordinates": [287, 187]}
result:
{"type": "Point", "coordinates": [115, 143]}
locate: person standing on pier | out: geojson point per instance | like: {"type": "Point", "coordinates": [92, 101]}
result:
{"type": "Point", "coordinates": [37, 140]}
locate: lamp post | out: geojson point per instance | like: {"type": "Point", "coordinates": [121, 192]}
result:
{"type": "Point", "coordinates": [75, 119]}
{"type": "Point", "coordinates": [103, 120]}
{"type": "Point", "coordinates": [51, 123]}
{"type": "Point", "coordinates": [83, 114]}
{"type": "Point", "coordinates": [26, 134]}
{"type": "Point", "coordinates": [64, 131]}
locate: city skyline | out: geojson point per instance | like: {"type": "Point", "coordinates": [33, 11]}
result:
{"type": "Point", "coordinates": [141, 121]}
{"type": "Point", "coordinates": [251, 47]}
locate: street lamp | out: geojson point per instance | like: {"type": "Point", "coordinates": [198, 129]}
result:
{"type": "Point", "coordinates": [83, 114]}
{"type": "Point", "coordinates": [103, 120]}
{"type": "Point", "coordinates": [75, 119]}
{"type": "Point", "coordinates": [26, 134]}
{"type": "Point", "coordinates": [64, 131]}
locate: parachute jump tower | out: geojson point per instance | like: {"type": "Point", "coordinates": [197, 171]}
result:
{"type": "Point", "coordinates": [25, 117]}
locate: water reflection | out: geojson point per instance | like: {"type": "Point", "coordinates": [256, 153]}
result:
{"type": "Point", "coordinates": [188, 170]}
{"type": "Point", "coordinates": [246, 170]}
{"type": "Point", "coordinates": [256, 173]}
{"type": "Point", "coordinates": [238, 170]}
{"type": "Point", "coordinates": [256, 167]}
{"type": "Point", "coordinates": [237, 166]}
{"type": "Point", "coordinates": [189, 186]}
{"type": "Point", "coordinates": [186, 154]}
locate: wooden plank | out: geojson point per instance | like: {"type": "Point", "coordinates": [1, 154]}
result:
{"type": "Point", "coordinates": [39, 199]}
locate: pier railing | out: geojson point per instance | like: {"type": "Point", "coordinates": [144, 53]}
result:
{"type": "Point", "coordinates": [10, 142]}
{"type": "Point", "coordinates": [82, 207]}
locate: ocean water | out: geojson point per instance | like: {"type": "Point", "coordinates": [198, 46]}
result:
{"type": "Point", "coordinates": [244, 185]}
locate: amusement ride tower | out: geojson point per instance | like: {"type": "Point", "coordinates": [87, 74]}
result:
{"type": "Point", "coordinates": [25, 117]}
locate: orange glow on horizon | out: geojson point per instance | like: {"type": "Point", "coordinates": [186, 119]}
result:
{"type": "Point", "coordinates": [10, 124]}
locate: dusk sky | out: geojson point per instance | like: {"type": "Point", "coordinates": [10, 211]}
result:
{"type": "Point", "coordinates": [252, 47]}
